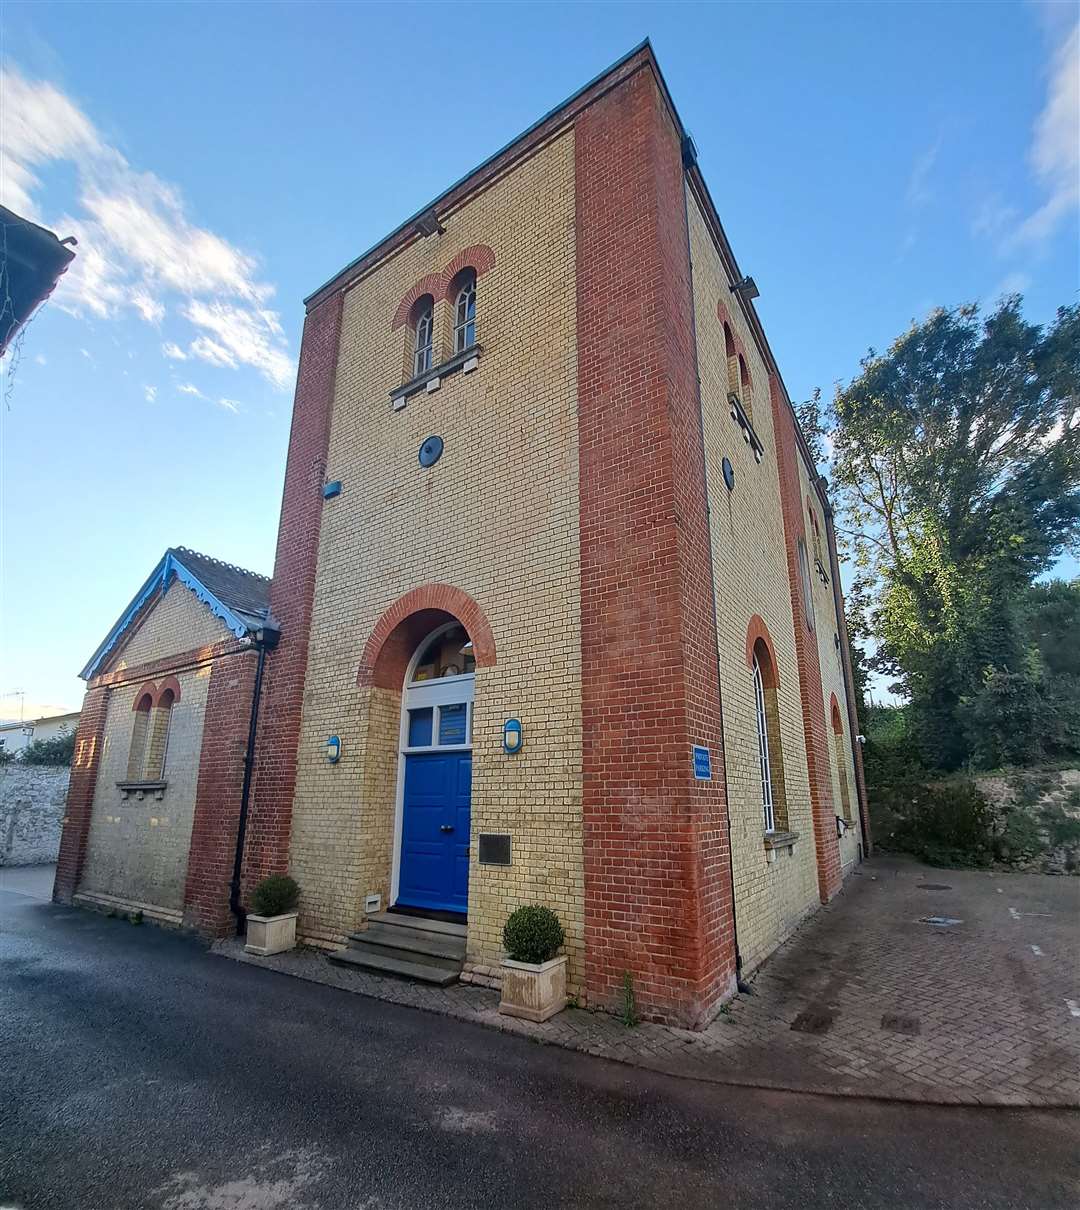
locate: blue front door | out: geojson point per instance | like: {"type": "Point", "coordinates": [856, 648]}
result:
{"type": "Point", "coordinates": [435, 831]}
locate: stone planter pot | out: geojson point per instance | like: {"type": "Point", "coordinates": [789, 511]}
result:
{"type": "Point", "coordinates": [268, 935]}
{"type": "Point", "coordinates": [533, 991]}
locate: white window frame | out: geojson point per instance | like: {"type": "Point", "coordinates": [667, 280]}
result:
{"type": "Point", "coordinates": [423, 351]}
{"type": "Point", "coordinates": [764, 764]}
{"type": "Point", "coordinates": [418, 695]}
{"type": "Point", "coordinates": [462, 325]}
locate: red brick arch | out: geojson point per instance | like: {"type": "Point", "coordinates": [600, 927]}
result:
{"type": "Point", "coordinates": [411, 617]}
{"type": "Point", "coordinates": [170, 682]}
{"type": "Point", "coordinates": [478, 257]}
{"type": "Point", "coordinates": [834, 715]}
{"type": "Point", "coordinates": [433, 284]}
{"type": "Point", "coordinates": [758, 630]}
{"type": "Point", "coordinates": [150, 688]}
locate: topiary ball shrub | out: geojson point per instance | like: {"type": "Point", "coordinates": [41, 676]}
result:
{"type": "Point", "coordinates": [533, 934]}
{"type": "Point", "coordinates": [275, 896]}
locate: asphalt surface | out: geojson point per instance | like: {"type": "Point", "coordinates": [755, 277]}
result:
{"type": "Point", "coordinates": [138, 1070]}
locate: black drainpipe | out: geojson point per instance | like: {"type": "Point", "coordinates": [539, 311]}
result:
{"type": "Point", "coordinates": [740, 984]}
{"type": "Point", "coordinates": [266, 639]}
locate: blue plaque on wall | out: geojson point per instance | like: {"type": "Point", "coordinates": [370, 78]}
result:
{"type": "Point", "coordinates": [702, 764]}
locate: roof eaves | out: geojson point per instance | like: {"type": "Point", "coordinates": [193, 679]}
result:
{"type": "Point", "coordinates": [491, 159]}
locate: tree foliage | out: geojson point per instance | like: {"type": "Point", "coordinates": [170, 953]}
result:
{"type": "Point", "coordinates": [956, 470]}
{"type": "Point", "coordinates": [59, 750]}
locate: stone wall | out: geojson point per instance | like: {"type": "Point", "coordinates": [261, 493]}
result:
{"type": "Point", "coordinates": [32, 799]}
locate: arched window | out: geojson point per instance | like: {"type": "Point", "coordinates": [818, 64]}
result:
{"type": "Point", "coordinates": [448, 652]}
{"type": "Point", "coordinates": [745, 387]}
{"type": "Point", "coordinates": [841, 762]}
{"type": "Point", "coordinates": [158, 746]}
{"type": "Point", "coordinates": [732, 359]}
{"type": "Point", "coordinates": [770, 752]}
{"type": "Point", "coordinates": [423, 327]}
{"type": "Point", "coordinates": [464, 310]}
{"type": "Point", "coordinates": [139, 733]}
{"type": "Point", "coordinates": [806, 583]}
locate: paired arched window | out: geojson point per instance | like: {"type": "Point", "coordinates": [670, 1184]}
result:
{"type": "Point", "coordinates": [732, 358]}
{"type": "Point", "coordinates": [423, 327]}
{"type": "Point", "coordinates": [745, 387]}
{"type": "Point", "coordinates": [464, 310]}
{"type": "Point", "coordinates": [150, 734]}
{"type": "Point", "coordinates": [770, 753]}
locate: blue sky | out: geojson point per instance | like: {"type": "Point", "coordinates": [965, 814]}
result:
{"type": "Point", "coordinates": [218, 162]}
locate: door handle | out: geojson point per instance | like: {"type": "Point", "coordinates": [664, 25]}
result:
{"type": "Point", "coordinates": [446, 827]}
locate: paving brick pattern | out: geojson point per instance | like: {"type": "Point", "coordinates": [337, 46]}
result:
{"type": "Point", "coordinates": [967, 1013]}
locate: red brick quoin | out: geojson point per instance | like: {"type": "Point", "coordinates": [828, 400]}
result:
{"type": "Point", "coordinates": [397, 633]}
{"type": "Point", "coordinates": [80, 798]}
{"type": "Point", "coordinates": [806, 652]}
{"type": "Point", "coordinates": [292, 594]}
{"type": "Point", "coordinates": [658, 896]}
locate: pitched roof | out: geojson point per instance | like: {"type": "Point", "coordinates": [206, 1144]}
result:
{"type": "Point", "coordinates": [240, 598]}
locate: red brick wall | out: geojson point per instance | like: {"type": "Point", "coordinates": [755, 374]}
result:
{"type": "Point", "coordinates": [80, 799]}
{"type": "Point", "coordinates": [291, 595]}
{"type": "Point", "coordinates": [815, 726]}
{"type": "Point", "coordinates": [658, 901]}
{"type": "Point", "coordinates": [217, 797]}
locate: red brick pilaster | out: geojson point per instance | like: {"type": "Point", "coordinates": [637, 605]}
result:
{"type": "Point", "coordinates": [89, 737]}
{"type": "Point", "coordinates": [217, 795]}
{"type": "Point", "coordinates": [806, 652]}
{"type": "Point", "coordinates": [291, 595]}
{"type": "Point", "coordinates": [658, 897]}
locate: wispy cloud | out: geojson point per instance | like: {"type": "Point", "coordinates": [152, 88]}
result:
{"type": "Point", "coordinates": [150, 393]}
{"type": "Point", "coordinates": [189, 388]}
{"type": "Point", "coordinates": [138, 253]}
{"type": "Point", "coordinates": [1055, 148]}
{"type": "Point", "coordinates": [230, 405]}
{"type": "Point", "coordinates": [919, 192]}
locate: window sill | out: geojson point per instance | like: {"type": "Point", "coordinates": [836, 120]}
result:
{"type": "Point", "coordinates": [141, 789]}
{"type": "Point", "coordinates": [738, 414]}
{"type": "Point", "coordinates": [780, 840]}
{"type": "Point", "coordinates": [457, 362]}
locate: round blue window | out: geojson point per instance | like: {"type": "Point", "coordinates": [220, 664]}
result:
{"type": "Point", "coordinates": [431, 451]}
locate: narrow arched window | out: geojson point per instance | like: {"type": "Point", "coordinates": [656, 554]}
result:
{"type": "Point", "coordinates": [770, 753]}
{"type": "Point", "coordinates": [806, 584]}
{"type": "Point", "coordinates": [465, 311]}
{"type": "Point", "coordinates": [745, 387]}
{"type": "Point", "coordinates": [139, 733]}
{"type": "Point", "coordinates": [732, 360]}
{"type": "Point", "coordinates": [423, 334]}
{"type": "Point", "coordinates": [841, 762]}
{"type": "Point", "coordinates": [158, 746]}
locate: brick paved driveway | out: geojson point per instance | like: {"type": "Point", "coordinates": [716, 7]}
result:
{"type": "Point", "coordinates": [985, 1010]}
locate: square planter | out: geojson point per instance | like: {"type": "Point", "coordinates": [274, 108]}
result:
{"type": "Point", "coordinates": [268, 935]}
{"type": "Point", "coordinates": [533, 991]}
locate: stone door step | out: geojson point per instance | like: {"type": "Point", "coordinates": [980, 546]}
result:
{"type": "Point", "coordinates": [435, 945]}
{"type": "Point", "coordinates": [419, 970]}
{"type": "Point", "coordinates": [420, 923]}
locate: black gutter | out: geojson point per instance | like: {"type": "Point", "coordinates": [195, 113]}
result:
{"type": "Point", "coordinates": [740, 984]}
{"type": "Point", "coordinates": [266, 640]}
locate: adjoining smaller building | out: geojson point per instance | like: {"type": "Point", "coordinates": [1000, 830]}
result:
{"type": "Point", "coordinates": [158, 781]}
{"type": "Point", "coordinates": [15, 736]}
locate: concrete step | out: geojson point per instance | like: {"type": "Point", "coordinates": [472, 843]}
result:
{"type": "Point", "coordinates": [438, 945]}
{"type": "Point", "coordinates": [387, 949]}
{"type": "Point", "coordinates": [379, 963]}
{"type": "Point", "coordinates": [419, 923]}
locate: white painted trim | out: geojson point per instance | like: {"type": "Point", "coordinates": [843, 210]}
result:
{"type": "Point", "coordinates": [445, 690]}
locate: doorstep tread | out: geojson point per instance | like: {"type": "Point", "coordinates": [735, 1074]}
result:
{"type": "Point", "coordinates": [419, 923]}
{"type": "Point", "coordinates": [395, 966]}
{"type": "Point", "coordinates": [438, 945]}
{"type": "Point", "coordinates": [387, 949]}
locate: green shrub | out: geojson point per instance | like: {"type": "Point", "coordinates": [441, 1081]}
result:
{"type": "Point", "coordinates": [946, 825]}
{"type": "Point", "coordinates": [275, 896]}
{"type": "Point", "coordinates": [533, 934]}
{"type": "Point", "coordinates": [57, 751]}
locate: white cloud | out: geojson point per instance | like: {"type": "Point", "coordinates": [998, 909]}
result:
{"type": "Point", "coordinates": [150, 393]}
{"type": "Point", "coordinates": [918, 190]}
{"type": "Point", "coordinates": [189, 388]}
{"type": "Point", "coordinates": [137, 248]}
{"type": "Point", "coordinates": [230, 405]}
{"type": "Point", "coordinates": [1055, 149]}
{"type": "Point", "coordinates": [40, 359]}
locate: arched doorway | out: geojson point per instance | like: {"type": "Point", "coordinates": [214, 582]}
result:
{"type": "Point", "coordinates": [434, 787]}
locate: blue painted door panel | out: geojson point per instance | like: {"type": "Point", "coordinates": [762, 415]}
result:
{"type": "Point", "coordinates": [435, 831]}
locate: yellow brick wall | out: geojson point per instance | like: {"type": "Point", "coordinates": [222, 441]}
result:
{"type": "Point", "coordinates": [179, 622]}
{"type": "Point", "coordinates": [751, 577]}
{"type": "Point", "coordinates": [832, 673]}
{"type": "Point", "coordinates": [497, 517]}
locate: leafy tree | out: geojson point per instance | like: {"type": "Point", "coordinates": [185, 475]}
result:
{"type": "Point", "coordinates": [56, 751]}
{"type": "Point", "coordinates": [956, 467]}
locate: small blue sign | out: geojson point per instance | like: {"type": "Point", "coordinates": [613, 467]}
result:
{"type": "Point", "coordinates": [702, 764]}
